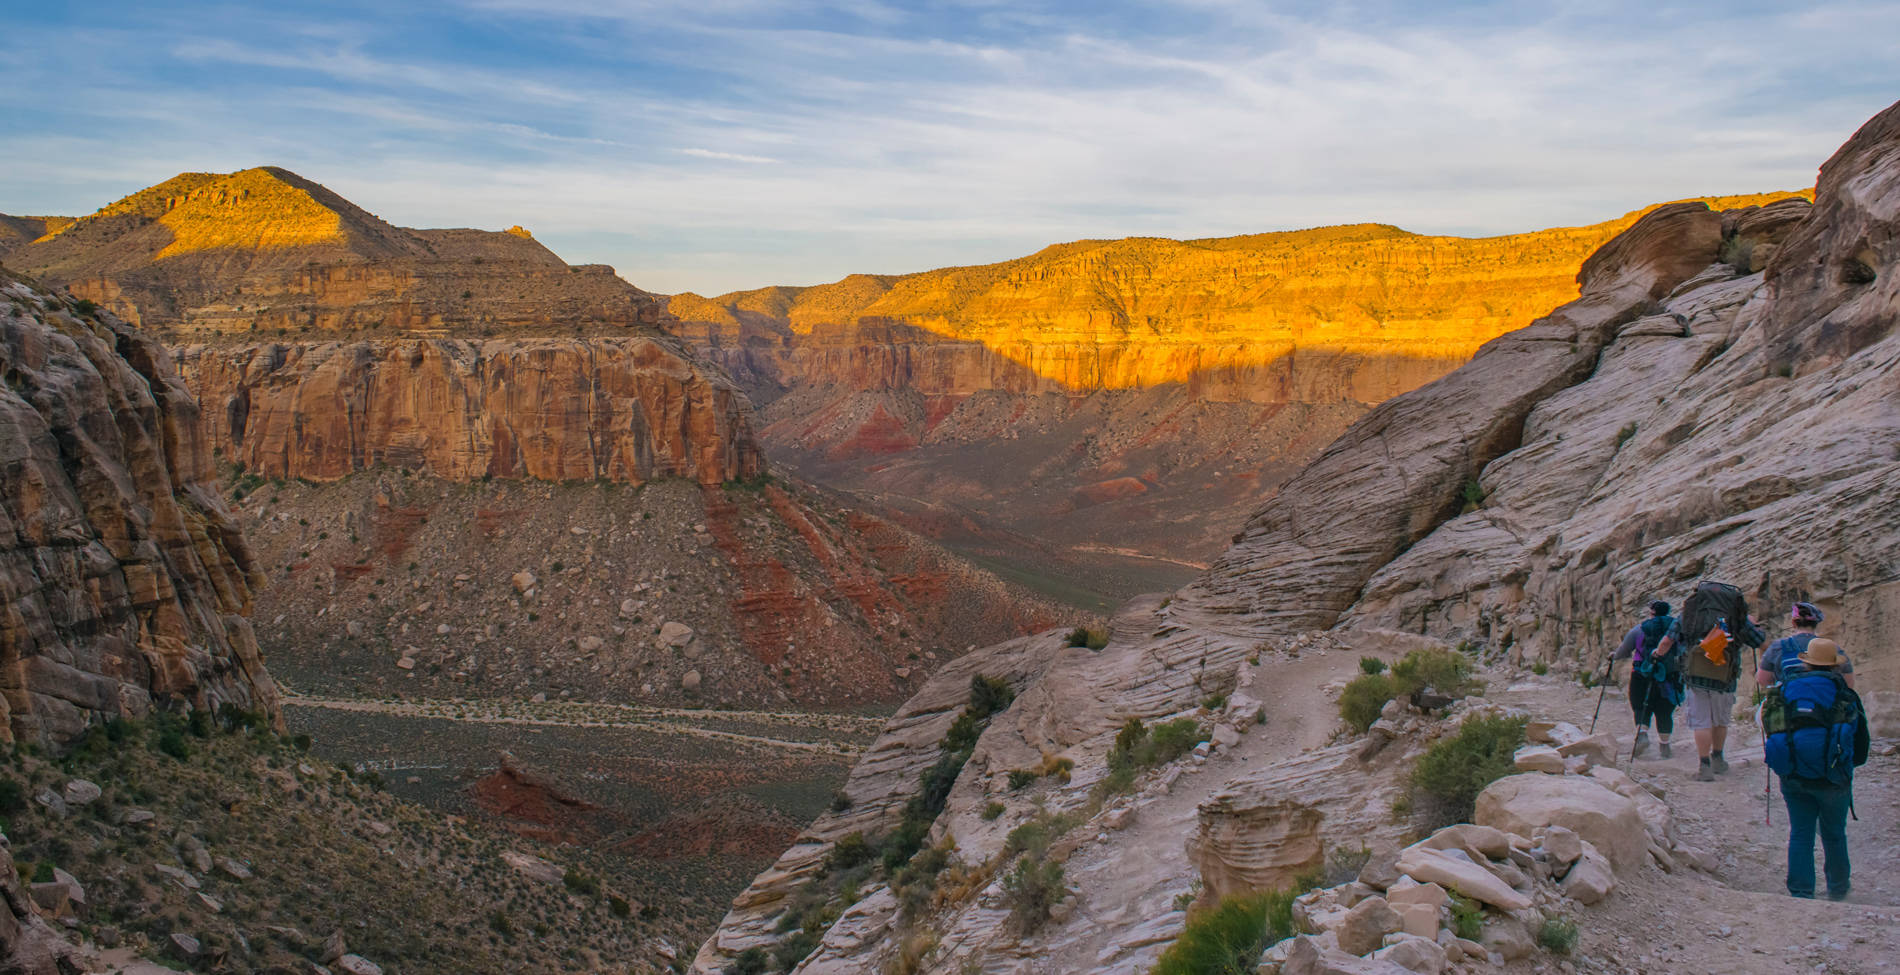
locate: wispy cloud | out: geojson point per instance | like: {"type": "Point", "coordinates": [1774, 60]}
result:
{"type": "Point", "coordinates": [727, 156]}
{"type": "Point", "coordinates": [717, 144]}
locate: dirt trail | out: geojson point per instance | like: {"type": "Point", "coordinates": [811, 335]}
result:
{"type": "Point", "coordinates": [1741, 920]}
{"type": "Point", "coordinates": [668, 721]}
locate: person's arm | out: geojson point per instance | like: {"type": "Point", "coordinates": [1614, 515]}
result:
{"type": "Point", "coordinates": [1847, 671]}
{"type": "Point", "coordinates": [1631, 640]}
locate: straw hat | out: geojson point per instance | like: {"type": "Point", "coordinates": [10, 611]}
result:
{"type": "Point", "coordinates": [1821, 653]}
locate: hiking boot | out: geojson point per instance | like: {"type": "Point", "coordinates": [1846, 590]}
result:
{"type": "Point", "coordinates": [1663, 750]}
{"type": "Point", "coordinates": [1838, 895]}
{"type": "Point", "coordinates": [1641, 746]}
{"type": "Point", "coordinates": [1705, 773]}
{"type": "Point", "coordinates": [1718, 763]}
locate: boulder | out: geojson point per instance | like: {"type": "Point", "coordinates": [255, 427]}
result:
{"type": "Point", "coordinates": [80, 792]}
{"type": "Point", "coordinates": [1590, 879]}
{"type": "Point", "coordinates": [1598, 749]}
{"type": "Point", "coordinates": [1414, 954]}
{"type": "Point", "coordinates": [1507, 936]}
{"type": "Point", "coordinates": [1365, 926]}
{"type": "Point", "coordinates": [1552, 733]}
{"type": "Point", "coordinates": [673, 633]}
{"type": "Point", "coordinates": [1563, 846]}
{"type": "Point", "coordinates": [1462, 875]}
{"type": "Point", "coordinates": [1479, 841]}
{"type": "Point", "coordinates": [184, 947]}
{"type": "Point", "coordinates": [532, 867]}
{"type": "Point", "coordinates": [1538, 758]}
{"type": "Point", "coordinates": [1418, 919]}
{"type": "Point", "coordinates": [1524, 803]}
{"type": "Point", "coordinates": [1409, 891]}
{"type": "Point", "coordinates": [1382, 868]}
{"type": "Point", "coordinates": [333, 948]}
{"type": "Point", "coordinates": [1308, 955]}
{"type": "Point", "coordinates": [691, 681]}
{"type": "Point", "coordinates": [358, 965]}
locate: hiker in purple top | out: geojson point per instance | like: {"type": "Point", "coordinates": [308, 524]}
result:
{"type": "Point", "coordinates": [1655, 688]}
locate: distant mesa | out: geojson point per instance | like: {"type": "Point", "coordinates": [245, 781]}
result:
{"type": "Point", "coordinates": [265, 250]}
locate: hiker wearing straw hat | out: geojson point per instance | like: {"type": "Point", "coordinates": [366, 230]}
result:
{"type": "Point", "coordinates": [1815, 735]}
{"type": "Point", "coordinates": [1782, 656]}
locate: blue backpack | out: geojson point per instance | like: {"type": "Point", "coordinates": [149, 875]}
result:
{"type": "Point", "coordinates": [1664, 671]}
{"type": "Point", "coordinates": [1788, 651]}
{"type": "Point", "coordinates": [1814, 728]}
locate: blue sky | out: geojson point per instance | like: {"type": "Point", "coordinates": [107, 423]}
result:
{"type": "Point", "coordinates": [711, 145]}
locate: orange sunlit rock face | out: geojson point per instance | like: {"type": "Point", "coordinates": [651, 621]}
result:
{"type": "Point", "coordinates": [1359, 313]}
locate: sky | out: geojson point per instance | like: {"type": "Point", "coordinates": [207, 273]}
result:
{"type": "Point", "coordinates": [715, 145]}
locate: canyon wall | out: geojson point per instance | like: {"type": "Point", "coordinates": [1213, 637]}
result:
{"type": "Point", "coordinates": [621, 408]}
{"type": "Point", "coordinates": [1722, 400]}
{"type": "Point", "coordinates": [125, 581]}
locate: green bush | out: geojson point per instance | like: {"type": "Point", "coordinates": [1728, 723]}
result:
{"type": "Point", "coordinates": [988, 695]}
{"type": "Point", "coordinates": [752, 961]}
{"type": "Point", "coordinates": [1371, 665]}
{"type": "Point", "coordinates": [1031, 891]}
{"type": "Point", "coordinates": [1171, 741]}
{"type": "Point", "coordinates": [581, 883]}
{"type": "Point", "coordinates": [1082, 636]}
{"type": "Point", "coordinates": [850, 851]}
{"type": "Point", "coordinates": [1362, 700]}
{"type": "Point", "coordinates": [1558, 935]}
{"type": "Point", "coordinates": [619, 906]}
{"type": "Point", "coordinates": [171, 741]}
{"type": "Point", "coordinates": [1229, 938]}
{"type": "Point", "coordinates": [1454, 770]}
{"type": "Point", "coordinates": [1020, 778]}
{"type": "Point", "coordinates": [43, 872]}
{"type": "Point", "coordinates": [1467, 917]}
{"type": "Point", "coordinates": [12, 796]}
{"type": "Point", "coordinates": [992, 811]}
{"type": "Point", "coordinates": [1445, 671]}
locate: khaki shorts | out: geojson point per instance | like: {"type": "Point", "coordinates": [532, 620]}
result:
{"type": "Point", "coordinates": [1709, 709]}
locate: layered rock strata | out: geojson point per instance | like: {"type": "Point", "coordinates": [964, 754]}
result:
{"type": "Point", "coordinates": [1720, 400]}
{"type": "Point", "coordinates": [627, 409]}
{"type": "Point", "coordinates": [124, 579]}
{"type": "Point", "coordinates": [1681, 420]}
{"type": "Point", "coordinates": [265, 249]}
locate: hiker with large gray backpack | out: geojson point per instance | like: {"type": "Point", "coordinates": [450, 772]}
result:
{"type": "Point", "coordinates": [1710, 634]}
{"type": "Point", "coordinates": [1814, 734]}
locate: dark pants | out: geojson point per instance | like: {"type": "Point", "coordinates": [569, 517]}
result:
{"type": "Point", "coordinates": [1813, 804]}
{"type": "Point", "coordinates": [1647, 701]}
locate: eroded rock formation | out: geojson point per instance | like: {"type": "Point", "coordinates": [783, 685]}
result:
{"type": "Point", "coordinates": [627, 409]}
{"type": "Point", "coordinates": [265, 249]}
{"type": "Point", "coordinates": [125, 581]}
{"type": "Point", "coordinates": [1721, 400]}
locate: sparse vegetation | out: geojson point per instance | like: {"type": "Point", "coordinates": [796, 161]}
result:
{"type": "Point", "coordinates": [1371, 665]}
{"type": "Point", "coordinates": [1228, 938]}
{"type": "Point", "coordinates": [1137, 747]}
{"type": "Point", "coordinates": [1454, 770]}
{"type": "Point", "coordinates": [1363, 698]}
{"type": "Point", "coordinates": [1558, 935]}
{"type": "Point", "coordinates": [992, 811]}
{"type": "Point", "coordinates": [1031, 891]}
{"type": "Point", "coordinates": [1093, 639]}
{"type": "Point", "coordinates": [1446, 672]}
{"type": "Point", "coordinates": [1467, 917]}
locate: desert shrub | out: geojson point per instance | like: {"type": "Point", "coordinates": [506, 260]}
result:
{"type": "Point", "coordinates": [989, 695]}
{"type": "Point", "coordinates": [1362, 700]}
{"type": "Point", "coordinates": [1228, 938]}
{"type": "Point", "coordinates": [1454, 770]}
{"type": "Point", "coordinates": [619, 906]}
{"type": "Point", "coordinates": [1444, 671]}
{"type": "Point", "coordinates": [1737, 251]}
{"type": "Point", "coordinates": [12, 795]}
{"type": "Point", "coordinates": [85, 306]}
{"type": "Point", "coordinates": [1093, 639]}
{"type": "Point", "coordinates": [850, 851]}
{"type": "Point", "coordinates": [171, 741]}
{"type": "Point", "coordinates": [1031, 891]}
{"type": "Point", "coordinates": [581, 883]}
{"type": "Point", "coordinates": [1467, 917]}
{"type": "Point", "coordinates": [1558, 935]}
{"type": "Point", "coordinates": [1170, 741]}
{"type": "Point", "coordinates": [1473, 494]}
{"type": "Point", "coordinates": [840, 802]}
{"type": "Point", "coordinates": [1540, 668]}
{"type": "Point", "coordinates": [752, 961]}
{"type": "Point", "coordinates": [992, 811]}
{"type": "Point", "coordinates": [789, 952]}
{"type": "Point", "coordinates": [1371, 665]}
{"type": "Point", "coordinates": [43, 872]}
{"type": "Point", "coordinates": [1021, 777]}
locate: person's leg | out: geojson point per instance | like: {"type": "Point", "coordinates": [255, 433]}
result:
{"type": "Point", "coordinates": [1803, 811]}
{"type": "Point", "coordinates": [1832, 806]}
{"type": "Point", "coordinates": [1702, 723]}
{"type": "Point", "coordinates": [1721, 704]}
{"type": "Point", "coordinates": [1641, 707]}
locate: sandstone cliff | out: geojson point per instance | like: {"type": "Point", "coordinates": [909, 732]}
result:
{"type": "Point", "coordinates": [627, 409]}
{"type": "Point", "coordinates": [1155, 390]}
{"type": "Point", "coordinates": [266, 250]}
{"type": "Point", "coordinates": [125, 579]}
{"type": "Point", "coordinates": [1720, 401]}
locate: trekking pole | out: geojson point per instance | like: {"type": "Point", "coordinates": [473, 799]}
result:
{"type": "Point", "coordinates": [1603, 688]}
